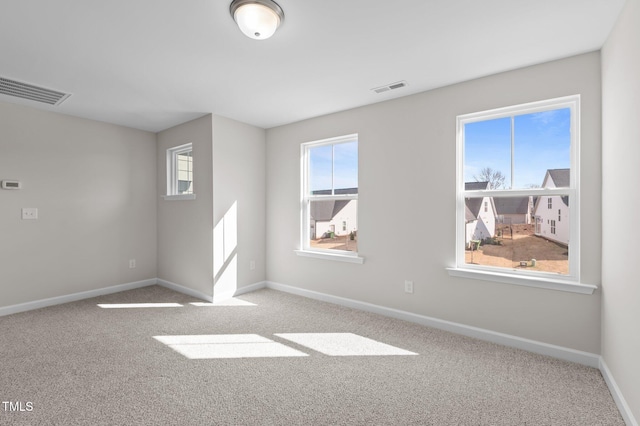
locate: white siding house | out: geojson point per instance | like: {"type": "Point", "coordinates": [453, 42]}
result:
{"type": "Point", "coordinates": [337, 216]}
{"type": "Point", "coordinates": [514, 210]}
{"type": "Point", "coordinates": [480, 214]}
{"type": "Point", "coordinates": [551, 214]}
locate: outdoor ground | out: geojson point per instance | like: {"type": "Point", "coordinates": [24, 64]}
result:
{"type": "Point", "coordinates": [523, 246]}
{"type": "Point", "coordinates": [337, 243]}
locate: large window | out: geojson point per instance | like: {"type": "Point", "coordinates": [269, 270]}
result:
{"type": "Point", "coordinates": [522, 162]}
{"type": "Point", "coordinates": [180, 172]}
{"type": "Point", "coordinates": [330, 197]}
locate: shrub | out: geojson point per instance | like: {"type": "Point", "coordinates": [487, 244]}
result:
{"type": "Point", "coordinates": [491, 242]}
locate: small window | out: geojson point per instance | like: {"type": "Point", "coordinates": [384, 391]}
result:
{"type": "Point", "coordinates": [553, 227]}
{"type": "Point", "coordinates": [180, 171]}
{"type": "Point", "coordinates": [330, 196]}
{"type": "Point", "coordinates": [549, 203]}
{"type": "Point", "coordinates": [559, 215]}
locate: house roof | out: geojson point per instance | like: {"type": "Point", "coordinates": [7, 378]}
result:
{"type": "Point", "coordinates": [512, 205]}
{"type": "Point", "coordinates": [476, 186]}
{"type": "Point", "coordinates": [468, 215]}
{"type": "Point", "coordinates": [325, 210]}
{"type": "Point", "coordinates": [339, 191]}
{"type": "Point", "coordinates": [560, 177]}
{"type": "Point", "coordinates": [473, 205]}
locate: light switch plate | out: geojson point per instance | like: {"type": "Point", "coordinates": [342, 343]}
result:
{"type": "Point", "coordinates": [29, 213]}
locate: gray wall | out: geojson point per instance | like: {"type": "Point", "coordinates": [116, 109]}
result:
{"type": "Point", "coordinates": [407, 165]}
{"type": "Point", "coordinates": [185, 227]}
{"type": "Point", "coordinates": [94, 186]}
{"type": "Point", "coordinates": [621, 175]}
{"type": "Point", "coordinates": [239, 203]}
{"type": "Point", "coordinates": [219, 233]}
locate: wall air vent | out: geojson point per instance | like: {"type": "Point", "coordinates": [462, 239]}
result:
{"type": "Point", "coordinates": [30, 92]}
{"type": "Point", "coordinates": [391, 86]}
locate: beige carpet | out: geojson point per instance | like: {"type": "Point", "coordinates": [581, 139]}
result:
{"type": "Point", "coordinates": [277, 360]}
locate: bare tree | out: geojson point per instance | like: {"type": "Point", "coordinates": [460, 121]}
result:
{"type": "Point", "coordinates": [494, 177]}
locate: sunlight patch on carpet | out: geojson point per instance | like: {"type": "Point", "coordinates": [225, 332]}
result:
{"type": "Point", "coordinates": [343, 344]}
{"type": "Point", "coordinates": [216, 346]}
{"type": "Point", "coordinates": [138, 305]}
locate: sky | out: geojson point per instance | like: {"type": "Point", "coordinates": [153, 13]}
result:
{"type": "Point", "coordinates": [542, 141]}
{"type": "Point", "coordinates": [345, 166]}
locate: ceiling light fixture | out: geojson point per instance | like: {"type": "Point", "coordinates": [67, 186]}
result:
{"type": "Point", "coordinates": [257, 19]}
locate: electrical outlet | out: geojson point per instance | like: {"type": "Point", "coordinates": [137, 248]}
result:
{"type": "Point", "coordinates": [252, 265]}
{"type": "Point", "coordinates": [132, 263]}
{"type": "Point", "coordinates": [408, 286]}
{"type": "Point", "coordinates": [29, 213]}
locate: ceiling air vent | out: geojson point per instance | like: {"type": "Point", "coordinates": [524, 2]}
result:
{"type": "Point", "coordinates": [391, 86]}
{"type": "Point", "coordinates": [31, 92]}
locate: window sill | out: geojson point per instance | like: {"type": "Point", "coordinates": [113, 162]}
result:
{"type": "Point", "coordinates": [551, 284]}
{"type": "Point", "coordinates": [331, 256]}
{"type": "Point", "coordinates": [179, 197]}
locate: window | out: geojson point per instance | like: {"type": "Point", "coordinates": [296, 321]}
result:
{"type": "Point", "coordinates": [514, 158]}
{"type": "Point", "coordinates": [180, 172]}
{"type": "Point", "coordinates": [330, 198]}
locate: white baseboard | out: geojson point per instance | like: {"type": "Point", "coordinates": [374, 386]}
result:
{"type": "Point", "coordinates": [43, 303]}
{"type": "Point", "coordinates": [37, 304]}
{"type": "Point", "coordinates": [623, 407]}
{"type": "Point", "coordinates": [567, 354]}
{"type": "Point", "coordinates": [251, 287]}
{"type": "Point", "coordinates": [185, 290]}
{"type": "Point", "coordinates": [218, 296]}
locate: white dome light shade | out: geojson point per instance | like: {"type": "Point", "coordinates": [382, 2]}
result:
{"type": "Point", "coordinates": [257, 19]}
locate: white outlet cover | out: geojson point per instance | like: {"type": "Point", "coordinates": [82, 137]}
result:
{"type": "Point", "coordinates": [408, 286]}
{"type": "Point", "coordinates": [29, 213]}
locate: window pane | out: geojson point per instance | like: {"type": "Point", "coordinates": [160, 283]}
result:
{"type": "Point", "coordinates": [333, 224]}
{"type": "Point", "coordinates": [518, 232]}
{"type": "Point", "coordinates": [185, 172]}
{"type": "Point", "coordinates": [542, 142]}
{"type": "Point", "coordinates": [345, 163]}
{"type": "Point", "coordinates": [321, 169]}
{"type": "Point", "coordinates": [487, 152]}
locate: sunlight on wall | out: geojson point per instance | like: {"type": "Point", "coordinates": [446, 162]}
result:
{"type": "Point", "coordinates": [226, 283]}
{"type": "Point", "coordinates": [225, 262]}
{"type": "Point", "coordinates": [227, 346]}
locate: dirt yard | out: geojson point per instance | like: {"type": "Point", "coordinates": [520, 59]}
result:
{"type": "Point", "coordinates": [337, 243]}
{"type": "Point", "coordinates": [522, 245]}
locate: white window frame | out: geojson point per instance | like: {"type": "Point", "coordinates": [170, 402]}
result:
{"type": "Point", "coordinates": [569, 282]}
{"type": "Point", "coordinates": [172, 173]}
{"type": "Point", "coordinates": [306, 197]}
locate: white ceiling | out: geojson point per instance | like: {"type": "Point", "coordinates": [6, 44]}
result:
{"type": "Point", "coordinates": [152, 64]}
